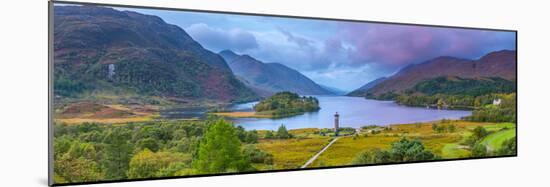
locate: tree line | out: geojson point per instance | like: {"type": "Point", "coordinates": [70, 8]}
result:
{"type": "Point", "coordinates": [92, 152]}
{"type": "Point", "coordinates": [287, 104]}
{"type": "Point", "coordinates": [506, 111]}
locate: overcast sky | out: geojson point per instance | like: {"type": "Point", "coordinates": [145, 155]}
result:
{"type": "Point", "coordinates": [343, 55]}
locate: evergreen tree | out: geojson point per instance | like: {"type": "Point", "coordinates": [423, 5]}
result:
{"type": "Point", "coordinates": [220, 150]}
{"type": "Point", "coordinates": [282, 133]}
{"type": "Point", "coordinates": [118, 152]}
{"type": "Point", "coordinates": [406, 150]}
{"type": "Point", "coordinates": [403, 150]}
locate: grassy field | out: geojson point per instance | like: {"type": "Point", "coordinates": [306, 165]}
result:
{"type": "Point", "coordinates": [292, 153]}
{"type": "Point", "coordinates": [494, 141]}
{"type": "Point", "coordinates": [454, 150]}
{"type": "Point", "coordinates": [346, 149]}
{"type": "Point", "coordinates": [447, 145]}
{"type": "Point", "coordinates": [498, 126]}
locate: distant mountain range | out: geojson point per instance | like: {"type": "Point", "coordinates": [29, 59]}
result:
{"type": "Point", "coordinates": [103, 49]}
{"type": "Point", "coordinates": [100, 49]}
{"type": "Point", "coordinates": [500, 64]}
{"type": "Point", "coordinates": [269, 78]}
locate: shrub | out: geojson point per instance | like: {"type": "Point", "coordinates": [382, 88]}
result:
{"type": "Point", "coordinates": [479, 150]}
{"type": "Point", "coordinates": [282, 133]}
{"type": "Point", "coordinates": [257, 156]}
{"type": "Point", "coordinates": [403, 150]}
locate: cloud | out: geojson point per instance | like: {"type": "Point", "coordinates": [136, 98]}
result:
{"type": "Point", "coordinates": [299, 51]}
{"type": "Point", "coordinates": [358, 53]}
{"type": "Point", "coordinates": [338, 54]}
{"type": "Point", "coordinates": [218, 39]}
{"type": "Point", "coordinates": [398, 45]}
{"type": "Point", "coordinates": [301, 41]}
{"type": "Point", "coordinates": [295, 51]}
{"type": "Point", "coordinates": [353, 53]}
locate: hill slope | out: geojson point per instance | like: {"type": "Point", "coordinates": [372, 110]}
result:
{"type": "Point", "coordinates": [103, 49]}
{"type": "Point", "coordinates": [360, 91]}
{"type": "Point", "coordinates": [501, 64]}
{"type": "Point", "coordinates": [464, 86]}
{"type": "Point", "coordinates": [269, 78]}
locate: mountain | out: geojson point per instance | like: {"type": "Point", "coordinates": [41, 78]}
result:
{"type": "Point", "coordinates": [363, 89]}
{"type": "Point", "coordinates": [333, 90]}
{"type": "Point", "coordinates": [103, 49]}
{"type": "Point", "coordinates": [268, 78]}
{"type": "Point", "coordinates": [501, 64]}
{"type": "Point", "coordinates": [451, 85]}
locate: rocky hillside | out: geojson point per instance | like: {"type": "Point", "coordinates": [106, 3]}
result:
{"type": "Point", "coordinates": [269, 78]}
{"type": "Point", "coordinates": [102, 49]}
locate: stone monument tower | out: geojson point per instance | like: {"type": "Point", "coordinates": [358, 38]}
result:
{"type": "Point", "coordinates": [336, 123]}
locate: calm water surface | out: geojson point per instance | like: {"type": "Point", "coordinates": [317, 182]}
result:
{"type": "Point", "coordinates": [354, 112]}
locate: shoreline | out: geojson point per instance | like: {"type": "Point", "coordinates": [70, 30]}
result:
{"type": "Point", "coordinates": [154, 113]}
{"type": "Point", "coordinates": [427, 106]}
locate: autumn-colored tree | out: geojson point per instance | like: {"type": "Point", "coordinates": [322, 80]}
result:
{"type": "Point", "coordinates": [147, 164]}
{"type": "Point", "coordinates": [80, 169]}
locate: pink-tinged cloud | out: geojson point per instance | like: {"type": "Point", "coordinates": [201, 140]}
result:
{"type": "Point", "coordinates": [397, 45]}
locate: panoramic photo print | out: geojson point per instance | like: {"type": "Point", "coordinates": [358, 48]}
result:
{"type": "Point", "coordinates": [148, 93]}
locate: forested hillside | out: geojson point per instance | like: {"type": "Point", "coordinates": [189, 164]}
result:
{"type": "Point", "coordinates": [107, 51]}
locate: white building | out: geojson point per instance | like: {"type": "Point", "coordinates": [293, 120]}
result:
{"type": "Point", "coordinates": [497, 101]}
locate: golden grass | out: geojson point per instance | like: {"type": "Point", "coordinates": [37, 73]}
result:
{"type": "Point", "coordinates": [292, 153]}
{"type": "Point", "coordinates": [119, 107]}
{"type": "Point", "coordinates": [242, 114]}
{"type": "Point", "coordinates": [303, 131]}
{"type": "Point", "coordinates": [445, 144]}
{"type": "Point", "coordinates": [343, 151]}
{"type": "Point", "coordinates": [426, 128]}
{"type": "Point", "coordinates": [74, 121]}
{"type": "Point", "coordinates": [111, 114]}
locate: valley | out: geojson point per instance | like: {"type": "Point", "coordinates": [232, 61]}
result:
{"type": "Point", "coordinates": [136, 97]}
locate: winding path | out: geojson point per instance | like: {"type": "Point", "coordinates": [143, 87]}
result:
{"type": "Point", "coordinates": [319, 153]}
